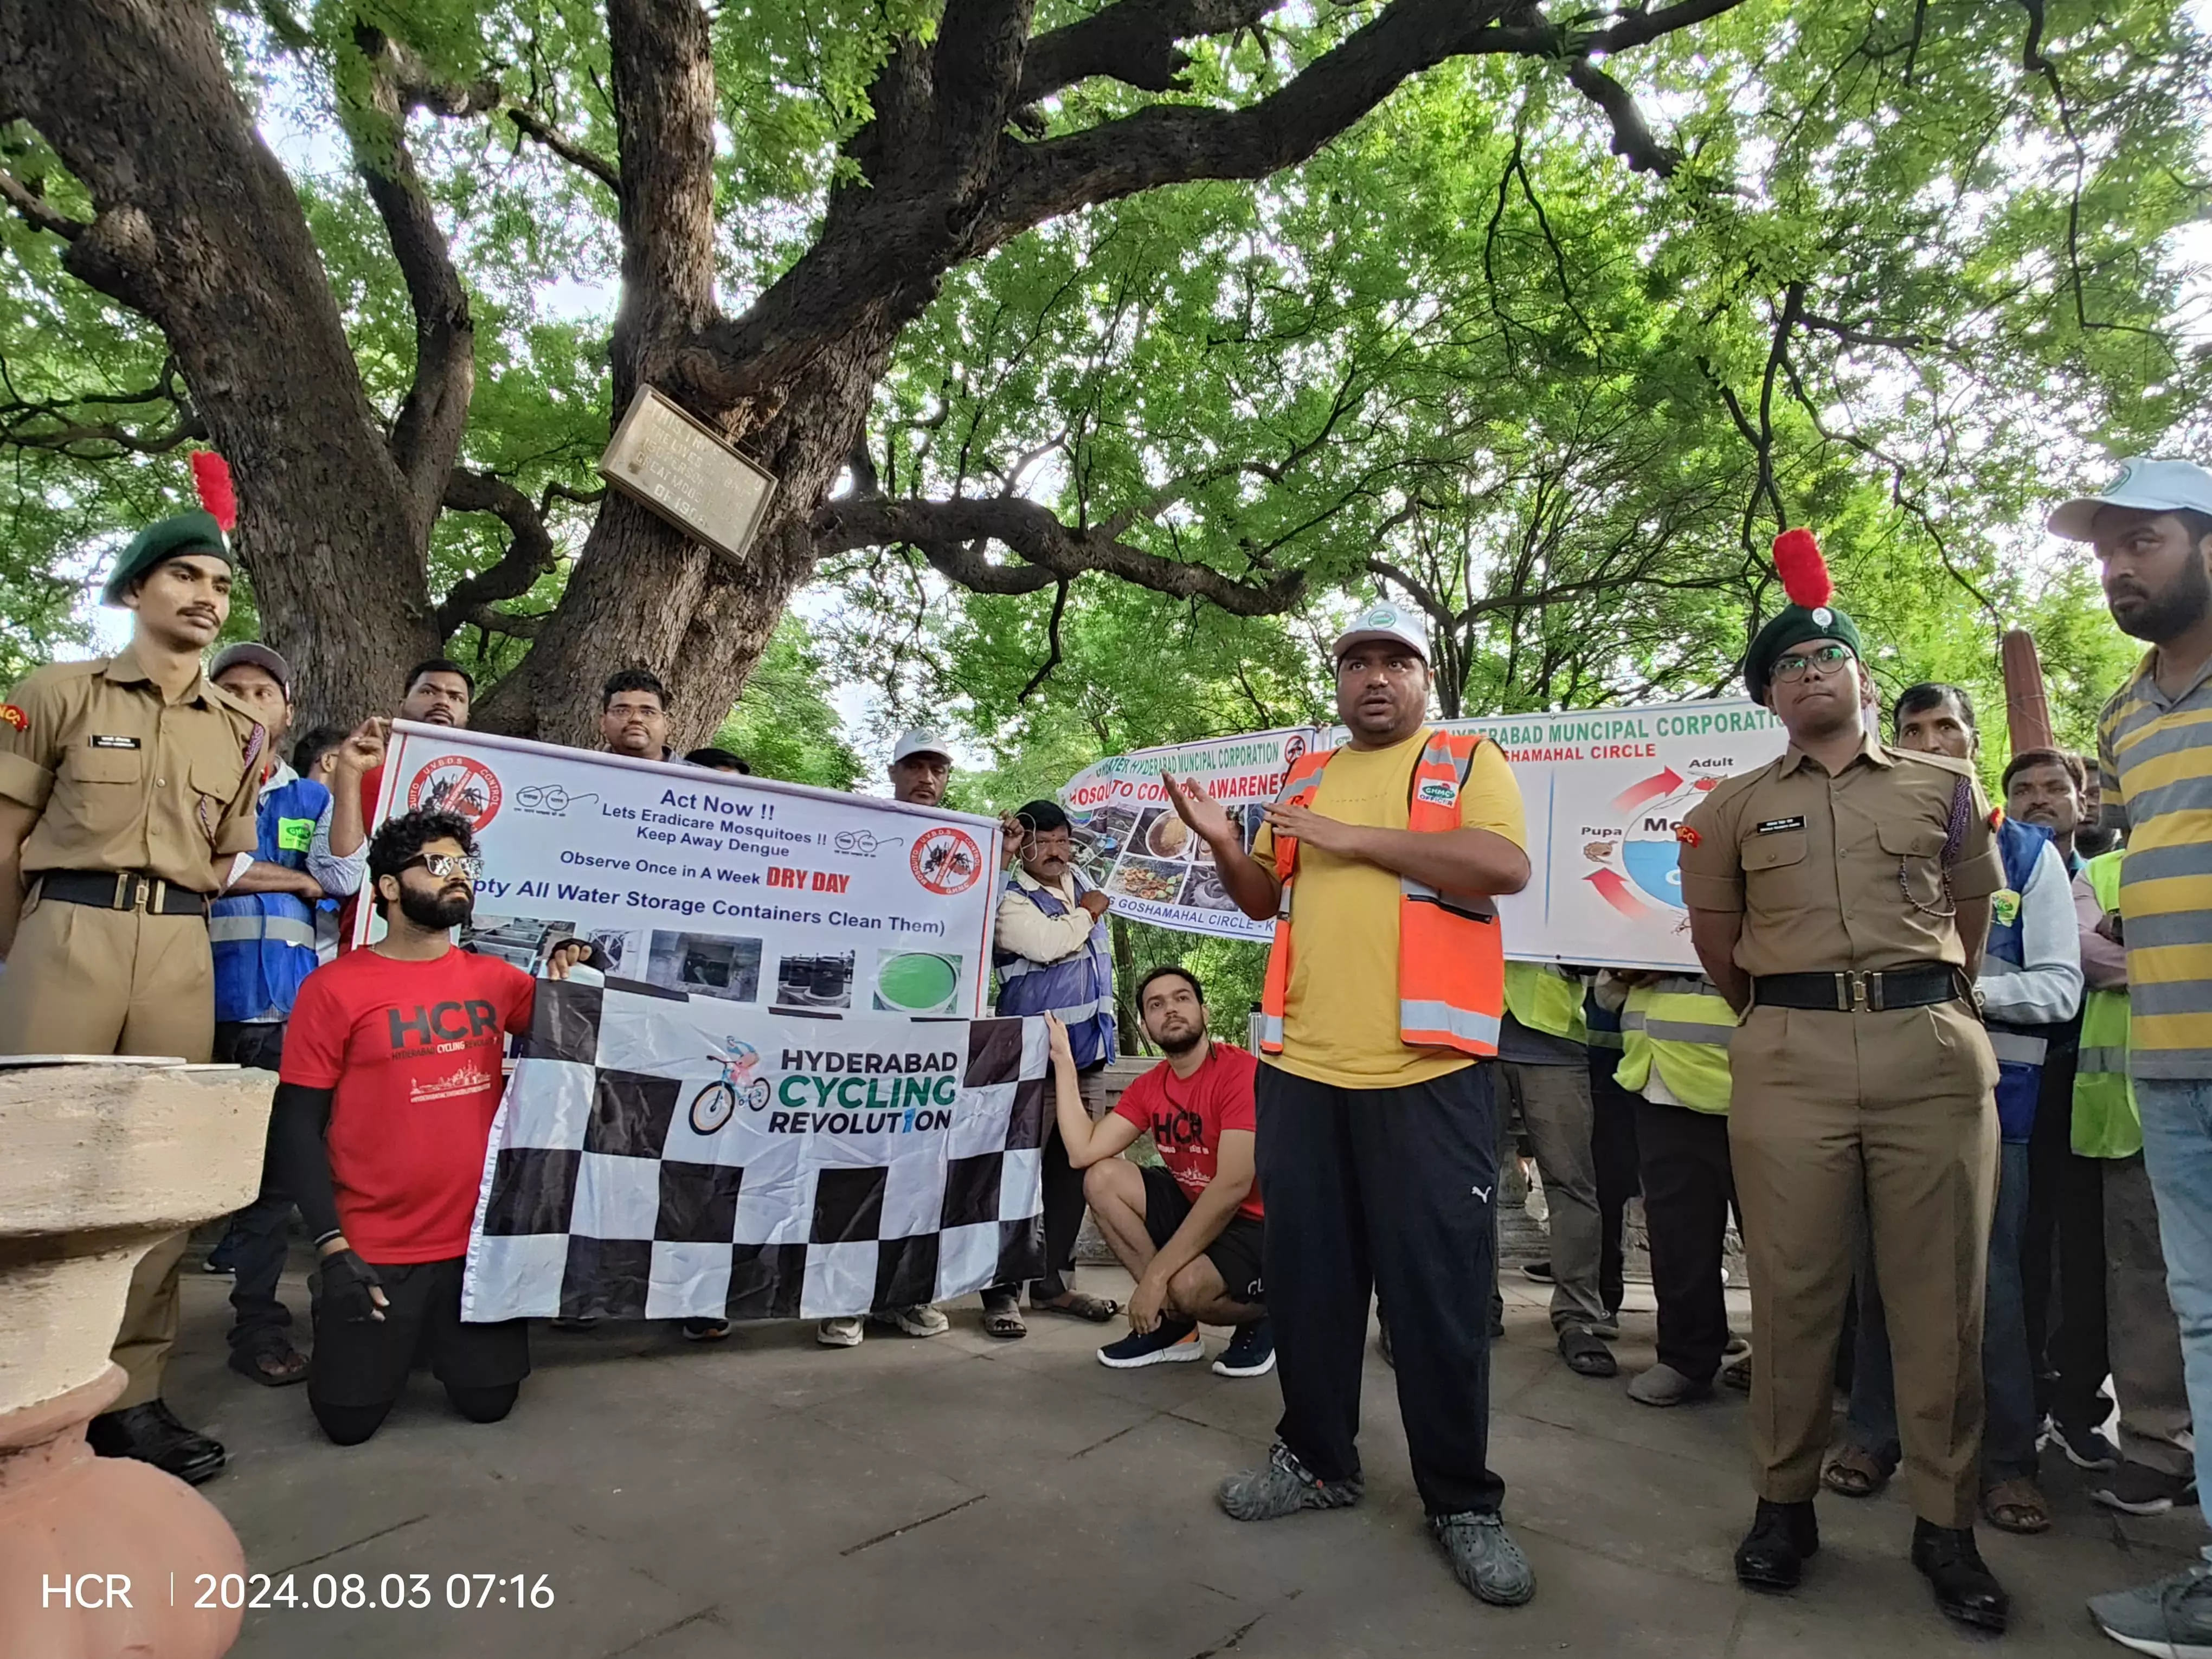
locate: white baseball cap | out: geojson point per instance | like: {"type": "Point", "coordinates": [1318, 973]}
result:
{"type": "Point", "coordinates": [2148, 485]}
{"type": "Point", "coordinates": [1384, 621]}
{"type": "Point", "coordinates": [920, 741]}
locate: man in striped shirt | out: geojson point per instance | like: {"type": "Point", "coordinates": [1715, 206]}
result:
{"type": "Point", "coordinates": [2152, 534]}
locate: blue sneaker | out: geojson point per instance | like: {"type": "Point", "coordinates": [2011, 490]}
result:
{"type": "Point", "coordinates": [1173, 1341]}
{"type": "Point", "coordinates": [1250, 1353]}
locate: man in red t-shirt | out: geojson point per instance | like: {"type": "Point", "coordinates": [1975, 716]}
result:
{"type": "Point", "coordinates": [390, 1080]}
{"type": "Point", "coordinates": [1191, 1231]}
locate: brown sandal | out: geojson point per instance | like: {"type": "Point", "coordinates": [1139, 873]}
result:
{"type": "Point", "coordinates": [1854, 1473]}
{"type": "Point", "coordinates": [2016, 1506]}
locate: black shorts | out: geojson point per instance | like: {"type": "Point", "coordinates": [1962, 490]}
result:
{"type": "Point", "coordinates": [1235, 1255]}
{"type": "Point", "coordinates": [366, 1363]}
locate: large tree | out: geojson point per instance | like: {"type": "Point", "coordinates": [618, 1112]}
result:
{"type": "Point", "coordinates": [1867, 239]}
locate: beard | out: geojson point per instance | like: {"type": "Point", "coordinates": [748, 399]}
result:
{"type": "Point", "coordinates": [2095, 843]}
{"type": "Point", "coordinates": [2173, 611]}
{"type": "Point", "coordinates": [438, 910]}
{"type": "Point", "coordinates": [1182, 1041]}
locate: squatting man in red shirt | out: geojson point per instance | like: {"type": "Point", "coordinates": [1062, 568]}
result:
{"type": "Point", "coordinates": [1191, 1231]}
{"type": "Point", "coordinates": [390, 1081]}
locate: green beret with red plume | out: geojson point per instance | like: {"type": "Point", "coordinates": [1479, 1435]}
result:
{"type": "Point", "coordinates": [1808, 615]}
{"type": "Point", "coordinates": [206, 530]}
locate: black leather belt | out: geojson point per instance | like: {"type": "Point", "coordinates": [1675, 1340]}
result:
{"type": "Point", "coordinates": [1899, 988]}
{"type": "Point", "coordinates": [126, 890]}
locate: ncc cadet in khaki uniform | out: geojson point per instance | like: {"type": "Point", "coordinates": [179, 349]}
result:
{"type": "Point", "coordinates": [127, 789]}
{"type": "Point", "coordinates": [1839, 898]}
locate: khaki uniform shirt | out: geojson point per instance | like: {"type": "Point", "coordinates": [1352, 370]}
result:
{"type": "Point", "coordinates": [1842, 872]}
{"type": "Point", "coordinates": [124, 778]}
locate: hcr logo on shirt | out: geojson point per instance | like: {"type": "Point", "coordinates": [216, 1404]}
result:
{"type": "Point", "coordinates": [436, 1024]}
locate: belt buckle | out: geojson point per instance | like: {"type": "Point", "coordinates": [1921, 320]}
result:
{"type": "Point", "coordinates": [128, 895]}
{"type": "Point", "coordinates": [1852, 993]}
{"type": "Point", "coordinates": [157, 897]}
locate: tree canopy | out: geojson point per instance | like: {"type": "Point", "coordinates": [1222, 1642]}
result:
{"type": "Point", "coordinates": [1108, 353]}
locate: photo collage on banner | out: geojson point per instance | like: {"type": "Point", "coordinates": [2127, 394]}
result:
{"type": "Point", "coordinates": [1130, 843]}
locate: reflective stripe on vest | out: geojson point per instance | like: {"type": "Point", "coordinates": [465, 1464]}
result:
{"type": "Point", "coordinates": [1602, 1023]}
{"type": "Point", "coordinates": [263, 944]}
{"type": "Point", "coordinates": [2107, 1123]}
{"type": "Point", "coordinates": [283, 930]}
{"type": "Point", "coordinates": [1683, 1026]}
{"type": "Point", "coordinates": [1079, 987]}
{"type": "Point", "coordinates": [1451, 966]}
{"type": "Point", "coordinates": [1544, 1000]}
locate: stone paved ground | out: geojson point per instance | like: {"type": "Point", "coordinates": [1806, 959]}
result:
{"type": "Point", "coordinates": [970, 1499]}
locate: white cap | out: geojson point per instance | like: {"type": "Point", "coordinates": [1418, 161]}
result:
{"type": "Point", "coordinates": [920, 741]}
{"type": "Point", "coordinates": [2147, 485]}
{"type": "Point", "coordinates": [1384, 621]}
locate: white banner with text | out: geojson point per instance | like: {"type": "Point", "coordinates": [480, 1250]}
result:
{"type": "Point", "coordinates": [1604, 790]}
{"type": "Point", "coordinates": [709, 883]}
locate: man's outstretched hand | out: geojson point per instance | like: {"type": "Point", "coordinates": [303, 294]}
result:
{"type": "Point", "coordinates": [1196, 805]}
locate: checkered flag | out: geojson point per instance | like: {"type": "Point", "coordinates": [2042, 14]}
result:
{"type": "Point", "coordinates": [659, 1155]}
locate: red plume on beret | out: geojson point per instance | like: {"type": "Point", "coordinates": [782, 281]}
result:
{"type": "Point", "coordinates": [211, 477]}
{"type": "Point", "coordinates": [1804, 573]}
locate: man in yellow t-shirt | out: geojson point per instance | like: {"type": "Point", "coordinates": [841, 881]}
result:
{"type": "Point", "coordinates": [1377, 1158]}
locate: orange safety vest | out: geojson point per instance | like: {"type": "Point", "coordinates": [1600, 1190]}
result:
{"type": "Point", "coordinates": [1451, 962]}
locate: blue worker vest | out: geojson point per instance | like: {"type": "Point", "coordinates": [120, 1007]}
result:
{"type": "Point", "coordinates": [264, 943]}
{"type": "Point", "coordinates": [1079, 989]}
{"type": "Point", "coordinates": [2020, 1048]}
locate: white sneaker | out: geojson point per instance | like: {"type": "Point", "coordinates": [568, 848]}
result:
{"type": "Point", "coordinates": [841, 1332]}
{"type": "Point", "coordinates": [919, 1320]}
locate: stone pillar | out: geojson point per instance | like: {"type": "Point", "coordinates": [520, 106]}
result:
{"type": "Point", "coordinates": [97, 1162]}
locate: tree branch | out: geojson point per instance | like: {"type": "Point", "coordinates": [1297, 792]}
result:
{"type": "Point", "coordinates": [529, 555]}
{"type": "Point", "coordinates": [428, 432]}
{"type": "Point", "coordinates": [1133, 41]}
{"type": "Point", "coordinates": [1052, 641]}
{"type": "Point", "coordinates": [950, 535]}
{"type": "Point", "coordinates": [532, 124]}
{"type": "Point", "coordinates": [1632, 138]}
{"type": "Point", "coordinates": [883, 249]}
{"type": "Point", "coordinates": [63, 425]}
{"type": "Point", "coordinates": [33, 207]}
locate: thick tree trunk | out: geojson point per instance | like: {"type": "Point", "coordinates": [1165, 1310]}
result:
{"type": "Point", "coordinates": [198, 228]}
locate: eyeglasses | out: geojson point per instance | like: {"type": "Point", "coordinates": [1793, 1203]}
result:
{"type": "Point", "coordinates": [1786, 670]}
{"type": "Point", "coordinates": [444, 866]}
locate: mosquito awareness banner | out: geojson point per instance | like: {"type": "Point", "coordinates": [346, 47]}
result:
{"type": "Point", "coordinates": [706, 884]}
{"type": "Point", "coordinates": [1130, 842]}
{"type": "Point", "coordinates": [1605, 792]}
{"type": "Point", "coordinates": [665, 1156]}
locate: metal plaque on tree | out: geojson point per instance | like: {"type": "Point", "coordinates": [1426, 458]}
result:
{"type": "Point", "coordinates": [684, 470]}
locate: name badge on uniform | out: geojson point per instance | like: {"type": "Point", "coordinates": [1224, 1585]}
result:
{"type": "Point", "coordinates": [1776, 826]}
{"type": "Point", "coordinates": [2004, 906]}
{"type": "Point", "coordinates": [1438, 792]}
{"type": "Point", "coordinates": [101, 742]}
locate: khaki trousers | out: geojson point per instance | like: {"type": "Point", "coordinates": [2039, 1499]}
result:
{"type": "Point", "coordinates": [1884, 1120]}
{"type": "Point", "coordinates": [86, 982]}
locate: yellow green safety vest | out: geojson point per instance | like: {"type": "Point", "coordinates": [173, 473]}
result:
{"type": "Point", "coordinates": [1545, 999]}
{"type": "Point", "coordinates": [2106, 1122]}
{"type": "Point", "coordinates": [1682, 1025]}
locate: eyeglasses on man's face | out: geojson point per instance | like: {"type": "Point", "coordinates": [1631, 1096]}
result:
{"type": "Point", "coordinates": [1827, 660]}
{"type": "Point", "coordinates": [445, 866]}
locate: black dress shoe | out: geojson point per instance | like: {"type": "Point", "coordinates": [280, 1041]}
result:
{"type": "Point", "coordinates": [1965, 1589]}
{"type": "Point", "coordinates": [1772, 1554]}
{"type": "Point", "coordinates": [152, 1434]}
